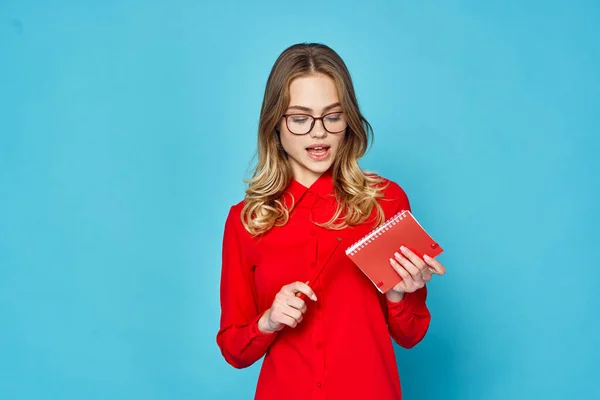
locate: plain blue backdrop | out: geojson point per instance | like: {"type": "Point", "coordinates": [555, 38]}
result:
{"type": "Point", "coordinates": [126, 128]}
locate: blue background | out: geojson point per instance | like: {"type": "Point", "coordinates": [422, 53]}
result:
{"type": "Point", "coordinates": [127, 127]}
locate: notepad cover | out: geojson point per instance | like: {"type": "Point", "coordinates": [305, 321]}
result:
{"type": "Point", "coordinates": [373, 252]}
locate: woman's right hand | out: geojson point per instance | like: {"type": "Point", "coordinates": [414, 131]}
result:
{"type": "Point", "coordinates": [287, 308]}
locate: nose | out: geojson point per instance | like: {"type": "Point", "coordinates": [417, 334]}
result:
{"type": "Point", "coordinates": [318, 129]}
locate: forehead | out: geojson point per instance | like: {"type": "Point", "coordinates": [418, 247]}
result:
{"type": "Point", "coordinates": [313, 91]}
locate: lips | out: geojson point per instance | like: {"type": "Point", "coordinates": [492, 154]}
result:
{"type": "Point", "coordinates": [318, 152]}
{"type": "Point", "coordinates": [318, 147]}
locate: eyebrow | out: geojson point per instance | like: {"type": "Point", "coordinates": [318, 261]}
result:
{"type": "Point", "coordinates": [329, 107]}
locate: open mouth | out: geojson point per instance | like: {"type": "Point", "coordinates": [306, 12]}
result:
{"type": "Point", "coordinates": [318, 152]}
{"type": "Point", "coordinates": [318, 149]}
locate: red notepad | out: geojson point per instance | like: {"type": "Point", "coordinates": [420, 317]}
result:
{"type": "Point", "coordinates": [372, 253]}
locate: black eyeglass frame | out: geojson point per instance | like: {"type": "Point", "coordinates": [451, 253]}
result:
{"type": "Point", "coordinates": [314, 120]}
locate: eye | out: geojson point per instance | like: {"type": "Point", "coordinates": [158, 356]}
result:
{"type": "Point", "coordinates": [334, 117]}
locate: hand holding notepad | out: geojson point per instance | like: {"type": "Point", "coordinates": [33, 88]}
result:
{"type": "Point", "coordinates": [372, 253]}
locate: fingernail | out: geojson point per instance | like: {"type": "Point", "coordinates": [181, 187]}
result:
{"type": "Point", "coordinates": [314, 297]}
{"type": "Point", "coordinates": [403, 249]}
{"type": "Point", "coordinates": [426, 257]}
{"type": "Point", "coordinates": [398, 255]}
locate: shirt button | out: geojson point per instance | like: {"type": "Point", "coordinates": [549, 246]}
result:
{"type": "Point", "coordinates": [313, 232]}
{"type": "Point", "coordinates": [312, 264]}
{"type": "Point", "coordinates": [318, 346]}
{"type": "Point", "coordinates": [319, 385]}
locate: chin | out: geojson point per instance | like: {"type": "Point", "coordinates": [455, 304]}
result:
{"type": "Point", "coordinates": [318, 168]}
{"type": "Point", "coordinates": [310, 166]}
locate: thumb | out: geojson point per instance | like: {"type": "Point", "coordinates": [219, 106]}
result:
{"type": "Point", "coordinates": [303, 293]}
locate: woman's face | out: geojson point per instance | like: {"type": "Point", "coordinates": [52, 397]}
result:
{"type": "Point", "coordinates": [314, 95]}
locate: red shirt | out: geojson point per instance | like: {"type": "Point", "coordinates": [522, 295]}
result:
{"type": "Point", "coordinates": [343, 348]}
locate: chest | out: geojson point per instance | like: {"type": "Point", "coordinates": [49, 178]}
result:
{"type": "Point", "coordinates": [302, 251]}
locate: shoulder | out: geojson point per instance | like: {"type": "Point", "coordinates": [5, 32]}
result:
{"type": "Point", "coordinates": [393, 194]}
{"type": "Point", "coordinates": [233, 222]}
{"type": "Point", "coordinates": [237, 208]}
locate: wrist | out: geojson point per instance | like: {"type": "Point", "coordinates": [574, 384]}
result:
{"type": "Point", "coordinates": [263, 324]}
{"type": "Point", "coordinates": [394, 296]}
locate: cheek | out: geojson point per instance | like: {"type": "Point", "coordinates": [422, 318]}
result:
{"type": "Point", "coordinates": [338, 141]}
{"type": "Point", "coordinates": [290, 143]}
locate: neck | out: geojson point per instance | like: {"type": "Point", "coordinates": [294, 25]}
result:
{"type": "Point", "coordinates": [306, 177]}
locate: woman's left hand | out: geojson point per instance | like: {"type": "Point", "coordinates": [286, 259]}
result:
{"type": "Point", "coordinates": [414, 271]}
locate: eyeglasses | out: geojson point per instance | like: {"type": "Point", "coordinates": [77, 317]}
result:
{"type": "Point", "coordinates": [301, 124]}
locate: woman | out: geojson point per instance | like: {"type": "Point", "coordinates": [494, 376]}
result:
{"type": "Point", "coordinates": [288, 291]}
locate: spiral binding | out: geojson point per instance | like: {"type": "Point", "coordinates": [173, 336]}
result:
{"type": "Point", "coordinates": [365, 240]}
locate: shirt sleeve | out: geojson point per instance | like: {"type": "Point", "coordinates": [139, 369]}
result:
{"type": "Point", "coordinates": [239, 339]}
{"type": "Point", "coordinates": [408, 319]}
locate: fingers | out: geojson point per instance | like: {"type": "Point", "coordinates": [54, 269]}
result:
{"type": "Point", "coordinates": [291, 322]}
{"type": "Point", "coordinates": [293, 313]}
{"type": "Point", "coordinates": [416, 260]}
{"type": "Point", "coordinates": [284, 314]}
{"type": "Point", "coordinates": [427, 274]}
{"type": "Point", "coordinates": [285, 299]}
{"type": "Point", "coordinates": [435, 265]}
{"type": "Point", "coordinates": [413, 276]}
{"type": "Point", "coordinates": [415, 270]}
{"type": "Point", "coordinates": [406, 276]}
{"type": "Point", "coordinates": [284, 319]}
{"type": "Point", "coordinates": [427, 265]}
{"type": "Point", "coordinates": [300, 287]}
{"type": "Point", "coordinates": [297, 303]}
{"type": "Point", "coordinates": [288, 308]}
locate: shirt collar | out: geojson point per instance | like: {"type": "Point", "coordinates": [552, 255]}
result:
{"type": "Point", "coordinates": [322, 187]}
